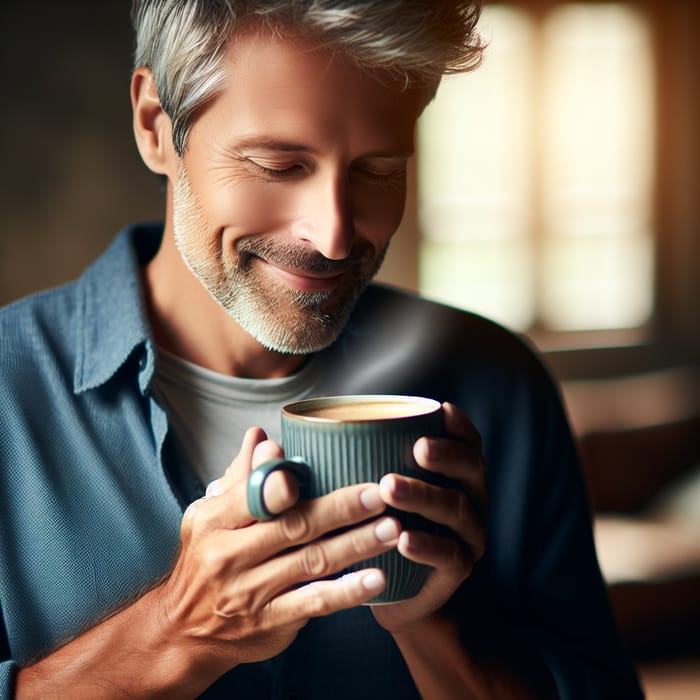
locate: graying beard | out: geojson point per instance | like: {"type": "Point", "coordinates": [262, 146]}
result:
{"type": "Point", "coordinates": [317, 332]}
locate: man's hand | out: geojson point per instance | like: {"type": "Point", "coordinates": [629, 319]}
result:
{"type": "Point", "coordinates": [237, 591]}
{"type": "Point", "coordinates": [463, 510]}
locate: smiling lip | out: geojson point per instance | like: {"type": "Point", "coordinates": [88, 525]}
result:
{"type": "Point", "coordinates": [305, 280]}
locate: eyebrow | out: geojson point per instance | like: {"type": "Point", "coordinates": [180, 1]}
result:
{"type": "Point", "coordinates": [267, 144]}
{"type": "Point", "coordinates": [390, 154]}
{"type": "Point", "coordinates": [271, 145]}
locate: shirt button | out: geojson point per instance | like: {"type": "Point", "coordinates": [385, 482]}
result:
{"type": "Point", "coordinates": [292, 694]}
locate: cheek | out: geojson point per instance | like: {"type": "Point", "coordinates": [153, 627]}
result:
{"type": "Point", "coordinates": [249, 208]}
{"type": "Point", "coordinates": [379, 212]}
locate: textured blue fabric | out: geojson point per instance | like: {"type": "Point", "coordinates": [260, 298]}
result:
{"type": "Point", "coordinates": [92, 486]}
{"type": "Point", "coordinates": [8, 670]}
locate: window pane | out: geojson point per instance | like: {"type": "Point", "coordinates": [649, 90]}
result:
{"type": "Point", "coordinates": [597, 168]}
{"type": "Point", "coordinates": [535, 173]}
{"type": "Point", "coordinates": [475, 160]}
{"type": "Point", "coordinates": [597, 282]}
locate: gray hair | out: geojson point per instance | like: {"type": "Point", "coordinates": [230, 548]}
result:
{"type": "Point", "coordinates": [184, 42]}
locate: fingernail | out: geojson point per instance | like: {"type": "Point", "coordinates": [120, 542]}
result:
{"type": "Point", "coordinates": [214, 489]}
{"type": "Point", "coordinates": [373, 581]}
{"type": "Point", "coordinates": [386, 530]}
{"type": "Point", "coordinates": [433, 448]}
{"type": "Point", "coordinates": [407, 543]}
{"type": "Point", "coordinates": [371, 499]}
{"type": "Point", "coordinates": [396, 487]}
{"type": "Point", "coordinates": [421, 449]}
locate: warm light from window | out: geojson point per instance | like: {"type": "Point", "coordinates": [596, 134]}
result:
{"type": "Point", "coordinates": [597, 174]}
{"type": "Point", "coordinates": [535, 172]}
{"type": "Point", "coordinates": [474, 165]}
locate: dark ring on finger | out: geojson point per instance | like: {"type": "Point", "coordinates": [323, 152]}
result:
{"type": "Point", "coordinates": [256, 483]}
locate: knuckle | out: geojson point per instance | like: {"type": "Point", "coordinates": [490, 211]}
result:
{"type": "Point", "coordinates": [287, 486]}
{"type": "Point", "coordinates": [186, 527]}
{"type": "Point", "coordinates": [461, 560]}
{"type": "Point", "coordinates": [281, 491]}
{"type": "Point", "coordinates": [211, 563]}
{"type": "Point", "coordinates": [316, 604]}
{"type": "Point", "coordinates": [343, 509]}
{"type": "Point", "coordinates": [314, 561]}
{"type": "Point", "coordinates": [240, 601]}
{"type": "Point", "coordinates": [463, 507]}
{"type": "Point", "coordinates": [190, 514]}
{"type": "Point", "coordinates": [479, 548]}
{"type": "Point", "coordinates": [358, 543]}
{"type": "Point", "coordinates": [196, 519]}
{"type": "Point", "coordinates": [470, 523]}
{"type": "Point", "coordinates": [295, 525]}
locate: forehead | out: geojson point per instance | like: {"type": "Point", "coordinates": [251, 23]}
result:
{"type": "Point", "coordinates": [289, 84]}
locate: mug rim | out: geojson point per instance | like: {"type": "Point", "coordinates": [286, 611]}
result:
{"type": "Point", "coordinates": [291, 410]}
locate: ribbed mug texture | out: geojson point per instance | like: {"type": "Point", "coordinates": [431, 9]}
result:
{"type": "Point", "coordinates": [341, 454]}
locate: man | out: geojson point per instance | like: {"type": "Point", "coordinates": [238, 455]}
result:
{"type": "Point", "coordinates": [283, 130]}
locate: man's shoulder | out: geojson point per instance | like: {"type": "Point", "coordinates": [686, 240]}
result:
{"type": "Point", "coordinates": [41, 319]}
{"type": "Point", "coordinates": [389, 313]}
{"type": "Point", "coordinates": [400, 342]}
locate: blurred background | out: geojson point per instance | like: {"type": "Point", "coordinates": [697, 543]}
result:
{"type": "Point", "coordinates": [556, 189]}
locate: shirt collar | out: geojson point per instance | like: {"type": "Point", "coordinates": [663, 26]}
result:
{"type": "Point", "coordinates": [112, 323]}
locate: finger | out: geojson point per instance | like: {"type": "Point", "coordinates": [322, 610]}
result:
{"type": "Point", "coordinates": [264, 451]}
{"type": "Point", "coordinates": [458, 425]}
{"type": "Point", "coordinates": [281, 489]}
{"type": "Point", "coordinates": [455, 460]}
{"type": "Point", "coordinates": [227, 510]}
{"type": "Point", "coordinates": [225, 505]}
{"type": "Point", "coordinates": [459, 457]}
{"type": "Point", "coordinates": [328, 556]}
{"type": "Point", "coordinates": [450, 507]}
{"type": "Point", "coordinates": [447, 456]}
{"type": "Point", "coordinates": [307, 521]}
{"type": "Point", "coordinates": [449, 556]}
{"type": "Point", "coordinates": [316, 560]}
{"type": "Point", "coordinates": [323, 598]}
{"type": "Point", "coordinates": [462, 433]}
{"type": "Point", "coordinates": [451, 564]}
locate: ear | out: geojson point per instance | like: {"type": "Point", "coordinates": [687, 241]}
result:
{"type": "Point", "coordinates": [152, 126]}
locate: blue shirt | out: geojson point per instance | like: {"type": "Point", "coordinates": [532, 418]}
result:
{"type": "Point", "coordinates": [93, 486]}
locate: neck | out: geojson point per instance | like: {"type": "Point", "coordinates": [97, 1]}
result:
{"type": "Point", "coordinates": [189, 323]}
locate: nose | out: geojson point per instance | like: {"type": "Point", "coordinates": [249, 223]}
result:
{"type": "Point", "coordinates": [326, 220]}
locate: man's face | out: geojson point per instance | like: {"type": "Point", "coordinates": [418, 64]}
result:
{"type": "Point", "coordinates": [290, 188]}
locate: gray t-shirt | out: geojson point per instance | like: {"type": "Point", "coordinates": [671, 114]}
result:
{"type": "Point", "coordinates": [210, 412]}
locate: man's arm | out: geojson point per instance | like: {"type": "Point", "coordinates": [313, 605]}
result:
{"type": "Point", "coordinates": [543, 583]}
{"type": "Point", "coordinates": [133, 653]}
{"type": "Point", "coordinates": [233, 595]}
{"type": "Point", "coordinates": [442, 666]}
{"type": "Point", "coordinates": [442, 663]}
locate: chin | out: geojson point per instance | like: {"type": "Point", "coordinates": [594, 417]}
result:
{"type": "Point", "coordinates": [296, 333]}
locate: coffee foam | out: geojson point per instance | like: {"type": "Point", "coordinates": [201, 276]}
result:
{"type": "Point", "coordinates": [366, 410]}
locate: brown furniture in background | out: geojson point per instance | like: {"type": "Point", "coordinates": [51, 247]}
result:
{"type": "Point", "coordinates": [639, 441]}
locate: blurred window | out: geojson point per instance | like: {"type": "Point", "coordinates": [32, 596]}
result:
{"type": "Point", "coordinates": [535, 173]}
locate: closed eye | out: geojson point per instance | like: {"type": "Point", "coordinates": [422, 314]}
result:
{"type": "Point", "coordinates": [275, 173]}
{"type": "Point", "coordinates": [382, 175]}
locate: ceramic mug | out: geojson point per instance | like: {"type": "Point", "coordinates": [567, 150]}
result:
{"type": "Point", "coordinates": [337, 441]}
